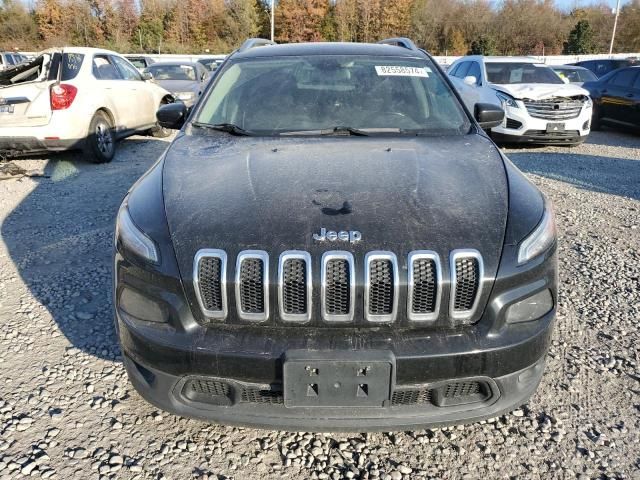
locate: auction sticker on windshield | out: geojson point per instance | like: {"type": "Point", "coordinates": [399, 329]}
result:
{"type": "Point", "coordinates": [400, 71]}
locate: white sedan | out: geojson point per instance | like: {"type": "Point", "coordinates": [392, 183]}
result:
{"type": "Point", "coordinates": [76, 98]}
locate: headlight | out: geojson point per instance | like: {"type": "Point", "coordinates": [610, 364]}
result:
{"type": "Point", "coordinates": [133, 239]}
{"type": "Point", "coordinates": [588, 103]}
{"type": "Point", "coordinates": [540, 239]}
{"type": "Point", "coordinates": [185, 95]}
{"type": "Point", "coordinates": [507, 100]}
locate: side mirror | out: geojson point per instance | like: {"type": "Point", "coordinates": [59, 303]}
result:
{"type": "Point", "coordinates": [488, 115]}
{"type": "Point", "coordinates": [147, 76]}
{"type": "Point", "coordinates": [470, 80]}
{"type": "Point", "coordinates": [172, 115]}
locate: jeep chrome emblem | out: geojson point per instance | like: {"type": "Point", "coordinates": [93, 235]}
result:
{"type": "Point", "coordinates": [352, 236]}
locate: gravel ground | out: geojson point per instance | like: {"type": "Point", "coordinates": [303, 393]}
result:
{"type": "Point", "coordinates": [68, 411]}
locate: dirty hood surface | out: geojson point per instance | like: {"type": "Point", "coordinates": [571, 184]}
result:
{"type": "Point", "coordinates": [541, 91]}
{"type": "Point", "coordinates": [402, 194]}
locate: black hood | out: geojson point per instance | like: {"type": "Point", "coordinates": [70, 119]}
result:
{"type": "Point", "coordinates": [402, 194]}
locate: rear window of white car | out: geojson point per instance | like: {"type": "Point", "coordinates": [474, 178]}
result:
{"type": "Point", "coordinates": [71, 63]}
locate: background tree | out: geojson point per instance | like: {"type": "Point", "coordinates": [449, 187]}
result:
{"type": "Point", "coordinates": [580, 39]}
{"type": "Point", "coordinates": [17, 26]}
{"type": "Point", "coordinates": [483, 46]}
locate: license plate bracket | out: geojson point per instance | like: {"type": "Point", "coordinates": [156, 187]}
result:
{"type": "Point", "coordinates": [555, 127]}
{"type": "Point", "coordinates": [331, 380]}
{"type": "Point", "coordinates": [7, 108]}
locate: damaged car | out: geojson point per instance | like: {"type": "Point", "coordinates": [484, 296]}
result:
{"type": "Point", "coordinates": [540, 107]}
{"type": "Point", "coordinates": [76, 98]}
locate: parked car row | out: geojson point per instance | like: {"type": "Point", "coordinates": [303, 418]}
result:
{"type": "Point", "coordinates": [549, 105]}
{"type": "Point", "coordinates": [10, 59]}
{"type": "Point", "coordinates": [86, 98]}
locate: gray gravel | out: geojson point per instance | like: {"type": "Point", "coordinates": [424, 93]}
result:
{"type": "Point", "coordinates": [68, 411]}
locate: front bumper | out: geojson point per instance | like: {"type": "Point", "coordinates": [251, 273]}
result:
{"type": "Point", "coordinates": [249, 365]}
{"type": "Point", "coordinates": [520, 127]}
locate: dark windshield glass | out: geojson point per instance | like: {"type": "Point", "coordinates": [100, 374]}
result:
{"type": "Point", "coordinates": [505, 73]}
{"type": "Point", "coordinates": [294, 94]}
{"type": "Point", "coordinates": [173, 72]}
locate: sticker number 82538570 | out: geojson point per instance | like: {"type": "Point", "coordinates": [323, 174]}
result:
{"type": "Point", "coordinates": [402, 71]}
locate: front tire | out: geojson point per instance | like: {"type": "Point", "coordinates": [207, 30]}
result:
{"type": "Point", "coordinates": [101, 141]}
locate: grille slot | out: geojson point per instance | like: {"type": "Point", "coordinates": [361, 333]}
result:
{"type": "Point", "coordinates": [338, 286]}
{"type": "Point", "coordinates": [381, 287]}
{"type": "Point", "coordinates": [461, 389]}
{"type": "Point", "coordinates": [554, 109]}
{"type": "Point", "coordinates": [294, 285]}
{"type": "Point", "coordinates": [256, 395]}
{"type": "Point", "coordinates": [411, 397]}
{"type": "Point", "coordinates": [466, 283]}
{"type": "Point", "coordinates": [209, 387]}
{"type": "Point", "coordinates": [252, 285]}
{"type": "Point", "coordinates": [209, 280]}
{"type": "Point", "coordinates": [424, 286]}
{"type": "Point", "coordinates": [443, 395]}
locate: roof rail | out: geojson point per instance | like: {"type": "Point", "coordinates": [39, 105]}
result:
{"type": "Point", "coordinates": [400, 42]}
{"type": "Point", "coordinates": [255, 42]}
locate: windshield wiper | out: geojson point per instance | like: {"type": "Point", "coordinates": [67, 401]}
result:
{"type": "Point", "coordinates": [345, 131]}
{"type": "Point", "coordinates": [341, 130]}
{"type": "Point", "coordinates": [225, 127]}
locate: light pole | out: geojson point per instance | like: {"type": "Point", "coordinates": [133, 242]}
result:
{"type": "Point", "coordinates": [273, 4]}
{"type": "Point", "coordinates": [615, 24]}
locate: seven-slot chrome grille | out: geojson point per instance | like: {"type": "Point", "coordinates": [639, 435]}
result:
{"type": "Point", "coordinates": [554, 109]}
{"type": "Point", "coordinates": [422, 287]}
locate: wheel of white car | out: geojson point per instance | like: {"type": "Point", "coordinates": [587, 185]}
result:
{"type": "Point", "coordinates": [101, 141]}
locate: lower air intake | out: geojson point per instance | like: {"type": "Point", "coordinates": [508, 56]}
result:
{"type": "Point", "coordinates": [254, 395]}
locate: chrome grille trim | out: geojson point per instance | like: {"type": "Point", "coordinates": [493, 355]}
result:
{"type": "Point", "coordinates": [419, 255]}
{"type": "Point", "coordinates": [211, 253]}
{"type": "Point", "coordinates": [291, 255]}
{"type": "Point", "coordinates": [370, 257]}
{"type": "Point", "coordinates": [455, 255]}
{"type": "Point", "coordinates": [567, 109]}
{"type": "Point", "coordinates": [264, 256]}
{"type": "Point", "coordinates": [326, 258]}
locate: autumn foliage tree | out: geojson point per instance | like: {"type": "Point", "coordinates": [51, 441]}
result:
{"type": "Point", "coordinates": [454, 27]}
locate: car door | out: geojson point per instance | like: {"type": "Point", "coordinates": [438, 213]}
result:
{"type": "Point", "coordinates": [142, 98]}
{"type": "Point", "coordinates": [618, 96]}
{"type": "Point", "coordinates": [635, 99]}
{"type": "Point", "coordinates": [110, 81]}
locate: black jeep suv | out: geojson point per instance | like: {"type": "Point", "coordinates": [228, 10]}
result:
{"type": "Point", "coordinates": [332, 242]}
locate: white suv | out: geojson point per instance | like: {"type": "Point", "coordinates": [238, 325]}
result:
{"type": "Point", "coordinates": [75, 98]}
{"type": "Point", "coordinates": [539, 106]}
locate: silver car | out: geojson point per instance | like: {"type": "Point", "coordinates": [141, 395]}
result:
{"type": "Point", "coordinates": [185, 80]}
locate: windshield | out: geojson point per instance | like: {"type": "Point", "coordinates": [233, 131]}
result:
{"type": "Point", "coordinates": [505, 73]}
{"type": "Point", "coordinates": [575, 75]}
{"type": "Point", "coordinates": [279, 95]}
{"type": "Point", "coordinates": [137, 62]}
{"type": "Point", "coordinates": [172, 72]}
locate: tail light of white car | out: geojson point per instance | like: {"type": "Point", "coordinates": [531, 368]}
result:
{"type": "Point", "coordinates": [62, 96]}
